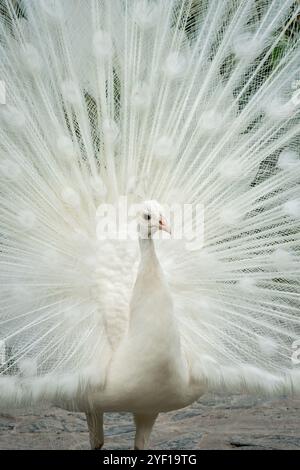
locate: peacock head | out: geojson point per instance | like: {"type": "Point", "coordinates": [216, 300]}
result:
{"type": "Point", "coordinates": [151, 219]}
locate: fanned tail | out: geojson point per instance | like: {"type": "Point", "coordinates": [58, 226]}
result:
{"type": "Point", "coordinates": [186, 102]}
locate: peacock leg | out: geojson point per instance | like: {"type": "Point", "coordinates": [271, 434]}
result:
{"type": "Point", "coordinates": [144, 424]}
{"type": "Point", "coordinates": [95, 426]}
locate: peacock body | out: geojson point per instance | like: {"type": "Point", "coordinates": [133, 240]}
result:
{"type": "Point", "coordinates": [184, 102]}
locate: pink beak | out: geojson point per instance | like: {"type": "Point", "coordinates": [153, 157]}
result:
{"type": "Point", "coordinates": [163, 225]}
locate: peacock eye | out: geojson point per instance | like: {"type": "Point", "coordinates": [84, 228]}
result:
{"type": "Point", "coordinates": [147, 216]}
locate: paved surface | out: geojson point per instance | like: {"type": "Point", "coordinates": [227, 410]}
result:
{"type": "Point", "coordinates": [215, 422]}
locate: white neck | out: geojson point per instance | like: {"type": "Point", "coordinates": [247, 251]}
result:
{"type": "Point", "coordinates": [148, 253]}
{"type": "Point", "coordinates": [152, 307]}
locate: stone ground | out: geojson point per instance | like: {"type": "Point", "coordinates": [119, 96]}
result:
{"type": "Point", "coordinates": [215, 422]}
